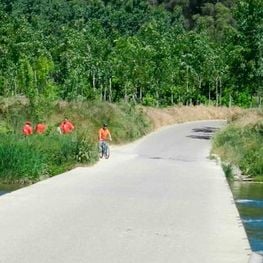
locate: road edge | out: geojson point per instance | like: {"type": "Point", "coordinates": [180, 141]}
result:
{"type": "Point", "coordinates": [255, 258]}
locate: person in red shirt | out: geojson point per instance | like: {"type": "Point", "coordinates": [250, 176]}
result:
{"type": "Point", "coordinates": [40, 128]}
{"type": "Point", "coordinates": [66, 126]}
{"type": "Point", "coordinates": [27, 129]}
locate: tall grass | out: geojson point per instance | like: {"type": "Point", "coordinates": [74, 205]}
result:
{"type": "Point", "coordinates": [126, 122]}
{"type": "Point", "coordinates": [241, 144]}
{"type": "Point", "coordinates": [30, 159]}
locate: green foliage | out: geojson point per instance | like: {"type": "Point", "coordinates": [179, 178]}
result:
{"type": "Point", "coordinates": [29, 159]}
{"type": "Point", "coordinates": [149, 100]}
{"type": "Point", "coordinates": [36, 157]}
{"type": "Point", "coordinates": [249, 17]}
{"type": "Point", "coordinates": [228, 171]}
{"type": "Point", "coordinates": [129, 124]}
{"type": "Point", "coordinates": [19, 160]}
{"type": "Point", "coordinates": [86, 150]}
{"type": "Point", "coordinates": [242, 146]}
{"type": "Point", "coordinates": [132, 50]}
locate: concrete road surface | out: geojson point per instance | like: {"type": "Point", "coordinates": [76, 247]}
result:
{"type": "Point", "coordinates": [159, 200]}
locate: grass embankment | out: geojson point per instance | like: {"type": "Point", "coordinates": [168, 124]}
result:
{"type": "Point", "coordinates": [30, 159]}
{"type": "Point", "coordinates": [241, 144]}
{"type": "Point", "coordinates": [36, 157]}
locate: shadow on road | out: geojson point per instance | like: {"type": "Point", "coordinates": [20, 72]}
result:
{"type": "Point", "coordinates": [205, 133]}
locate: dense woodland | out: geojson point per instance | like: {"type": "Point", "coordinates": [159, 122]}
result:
{"type": "Point", "coordinates": [150, 52]}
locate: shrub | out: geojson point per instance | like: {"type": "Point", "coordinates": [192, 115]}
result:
{"type": "Point", "coordinates": [28, 159]}
{"type": "Point", "coordinates": [242, 145]}
{"type": "Point", "coordinates": [39, 156]}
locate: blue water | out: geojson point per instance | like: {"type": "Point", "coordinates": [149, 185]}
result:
{"type": "Point", "coordinates": [253, 223]}
{"type": "Point", "coordinates": [249, 201]}
{"type": "Point", "coordinates": [2, 192]}
{"type": "Point", "coordinates": [5, 188]}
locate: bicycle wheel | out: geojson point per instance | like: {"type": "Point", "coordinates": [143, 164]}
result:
{"type": "Point", "coordinates": [100, 150]}
{"type": "Point", "coordinates": [107, 152]}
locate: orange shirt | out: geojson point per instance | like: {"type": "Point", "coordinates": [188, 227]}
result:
{"type": "Point", "coordinates": [27, 130]}
{"type": "Point", "coordinates": [40, 128]}
{"type": "Point", "coordinates": [66, 127]}
{"type": "Point", "coordinates": [104, 134]}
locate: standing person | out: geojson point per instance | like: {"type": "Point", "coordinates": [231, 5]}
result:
{"type": "Point", "coordinates": [66, 126]}
{"type": "Point", "coordinates": [40, 128]}
{"type": "Point", "coordinates": [104, 135]}
{"type": "Point", "coordinates": [27, 129]}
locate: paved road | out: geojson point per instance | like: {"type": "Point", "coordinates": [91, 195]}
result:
{"type": "Point", "coordinates": [159, 200]}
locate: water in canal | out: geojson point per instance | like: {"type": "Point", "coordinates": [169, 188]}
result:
{"type": "Point", "coordinates": [6, 188]}
{"type": "Point", "coordinates": [249, 201]}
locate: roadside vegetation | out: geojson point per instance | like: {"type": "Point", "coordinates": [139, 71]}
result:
{"type": "Point", "coordinates": [103, 61]}
{"type": "Point", "coordinates": [240, 144]}
{"type": "Point", "coordinates": [33, 158]}
{"type": "Point", "coordinates": [30, 159]}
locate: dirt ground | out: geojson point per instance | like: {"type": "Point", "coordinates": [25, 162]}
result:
{"type": "Point", "coordinates": [178, 114]}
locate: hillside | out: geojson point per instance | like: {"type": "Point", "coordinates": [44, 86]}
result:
{"type": "Point", "coordinates": [155, 53]}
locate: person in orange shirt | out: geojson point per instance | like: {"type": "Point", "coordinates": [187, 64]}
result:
{"type": "Point", "coordinates": [27, 129]}
{"type": "Point", "coordinates": [66, 126]}
{"type": "Point", "coordinates": [40, 128]}
{"type": "Point", "coordinates": [104, 135]}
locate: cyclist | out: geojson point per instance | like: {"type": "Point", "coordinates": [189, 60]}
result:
{"type": "Point", "coordinates": [104, 135]}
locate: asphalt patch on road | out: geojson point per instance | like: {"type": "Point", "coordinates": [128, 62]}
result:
{"type": "Point", "coordinates": [204, 133]}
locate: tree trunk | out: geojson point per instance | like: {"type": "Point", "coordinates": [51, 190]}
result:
{"type": "Point", "coordinates": [200, 87]}
{"type": "Point", "coordinates": [209, 95]}
{"type": "Point", "coordinates": [220, 91]}
{"type": "Point", "coordinates": [134, 98]}
{"type": "Point", "coordinates": [15, 87]}
{"type": "Point", "coordinates": [230, 101]}
{"type": "Point", "coordinates": [105, 93]}
{"type": "Point", "coordinates": [101, 92]}
{"type": "Point", "coordinates": [140, 91]}
{"type": "Point", "coordinates": [110, 91]}
{"type": "Point", "coordinates": [200, 83]}
{"type": "Point", "coordinates": [94, 82]}
{"type": "Point", "coordinates": [157, 97]}
{"type": "Point", "coordinates": [187, 84]}
{"type": "Point", "coordinates": [216, 83]}
{"type": "Point", "coordinates": [125, 94]}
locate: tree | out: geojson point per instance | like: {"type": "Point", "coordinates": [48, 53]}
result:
{"type": "Point", "coordinates": [249, 16]}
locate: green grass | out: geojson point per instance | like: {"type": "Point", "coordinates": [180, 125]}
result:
{"type": "Point", "coordinates": [227, 168]}
{"type": "Point", "coordinates": [126, 122]}
{"type": "Point", "coordinates": [29, 159]}
{"type": "Point", "coordinates": [33, 158]}
{"type": "Point", "coordinates": [242, 145]}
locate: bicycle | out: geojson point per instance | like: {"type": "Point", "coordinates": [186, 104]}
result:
{"type": "Point", "coordinates": [104, 150]}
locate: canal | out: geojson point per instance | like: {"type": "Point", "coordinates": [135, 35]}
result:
{"type": "Point", "coordinates": [249, 201]}
{"type": "Point", "coordinates": [5, 188]}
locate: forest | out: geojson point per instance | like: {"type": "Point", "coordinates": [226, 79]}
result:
{"type": "Point", "coordinates": [156, 53]}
